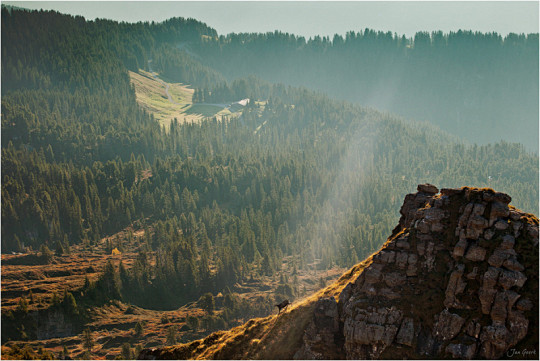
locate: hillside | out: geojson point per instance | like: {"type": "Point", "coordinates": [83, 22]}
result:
{"type": "Point", "coordinates": [458, 278]}
{"type": "Point", "coordinates": [470, 84]}
{"type": "Point", "coordinates": [113, 216]}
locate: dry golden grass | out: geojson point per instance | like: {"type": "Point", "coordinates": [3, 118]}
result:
{"type": "Point", "coordinates": [272, 337]}
{"type": "Point", "coordinates": [151, 95]}
{"type": "Point", "coordinates": [22, 273]}
{"type": "Point", "coordinates": [66, 273]}
{"type": "Point", "coordinates": [111, 327]}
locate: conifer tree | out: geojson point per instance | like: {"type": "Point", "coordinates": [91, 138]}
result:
{"type": "Point", "coordinates": [87, 339]}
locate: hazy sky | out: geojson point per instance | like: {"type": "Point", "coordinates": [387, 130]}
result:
{"type": "Point", "coordinates": [317, 18]}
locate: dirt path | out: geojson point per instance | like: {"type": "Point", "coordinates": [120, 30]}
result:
{"type": "Point", "coordinates": [167, 86]}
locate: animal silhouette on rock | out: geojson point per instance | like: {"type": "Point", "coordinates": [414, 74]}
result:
{"type": "Point", "coordinates": [282, 305]}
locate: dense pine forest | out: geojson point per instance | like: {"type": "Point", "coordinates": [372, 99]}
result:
{"type": "Point", "coordinates": [300, 174]}
{"type": "Point", "coordinates": [469, 83]}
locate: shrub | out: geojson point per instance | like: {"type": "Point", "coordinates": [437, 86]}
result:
{"type": "Point", "coordinates": [171, 335]}
{"type": "Point", "coordinates": [127, 353]}
{"type": "Point", "coordinates": [139, 329]}
{"type": "Point", "coordinates": [46, 254]}
{"type": "Point", "coordinates": [207, 303]}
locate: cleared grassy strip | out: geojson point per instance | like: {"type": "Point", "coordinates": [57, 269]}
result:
{"type": "Point", "coordinates": [151, 94]}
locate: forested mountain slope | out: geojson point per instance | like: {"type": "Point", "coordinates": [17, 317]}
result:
{"type": "Point", "coordinates": [480, 86]}
{"type": "Point", "coordinates": [297, 175]}
{"type": "Point", "coordinates": [75, 145]}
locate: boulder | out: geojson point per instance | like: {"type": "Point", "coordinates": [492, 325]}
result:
{"type": "Point", "coordinates": [499, 309]}
{"type": "Point", "coordinates": [423, 227]}
{"type": "Point", "coordinates": [462, 351]}
{"type": "Point", "coordinates": [493, 340]}
{"type": "Point", "coordinates": [517, 228]}
{"type": "Point", "coordinates": [412, 268]}
{"type": "Point", "coordinates": [486, 297]}
{"type": "Point", "coordinates": [478, 209]}
{"type": "Point", "coordinates": [475, 253]}
{"type": "Point", "coordinates": [430, 257]}
{"type": "Point", "coordinates": [403, 244]}
{"type": "Point", "coordinates": [434, 215]}
{"type": "Point", "coordinates": [472, 275]}
{"type": "Point", "coordinates": [411, 204]}
{"type": "Point", "coordinates": [455, 286]}
{"type": "Point", "coordinates": [515, 215]}
{"type": "Point", "coordinates": [405, 335]}
{"type": "Point", "coordinates": [512, 264]}
{"type": "Point", "coordinates": [372, 274]}
{"type": "Point", "coordinates": [401, 259]}
{"type": "Point", "coordinates": [465, 214]}
{"type": "Point", "coordinates": [498, 257]}
{"type": "Point", "coordinates": [497, 197]}
{"type": "Point", "coordinates": [421, 247]}
{"type": "Point", "coordinates": [509, 279]}
{"type": "Point", "coordinates": [427, 188]}
{"type": "Point", "coordinates": [447, 326]}
{"type": "Point", "coordinates": [459, 249]}
{"type": "Point", "coordinates": [388, 293]}
{"type": "Point", "coordinates": [533, 233]}
{"type": "Point", "coordinates": [498, 210]}
{"type": "Point", "coordinates": [476, 226]}
{"type": "Point", "coordinates": [524, 304]}
{"type": "Point", "coordinates": [489, 233]}
{"type": "Point", "coordinates": [448, 192]}
{"type": "Point", "coordinates": [390, 332]}
{"type": "Point", "coordinates": [490, 277]}
{"type": "Point", "coordinates": [508, 242]}
{"type": "Point", "coordinates": [518, 325]}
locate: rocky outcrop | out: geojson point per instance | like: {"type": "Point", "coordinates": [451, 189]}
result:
{"type": "Point", "coordinates": [457, 279]}
{"type": "Point", "coordinates": [320, 336]}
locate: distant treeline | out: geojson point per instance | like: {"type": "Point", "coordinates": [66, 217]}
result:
{"type": "Point", "coordinates": [480, 86]}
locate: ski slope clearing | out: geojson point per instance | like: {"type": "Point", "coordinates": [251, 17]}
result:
{"type": "Point", "coordinates": [167, 100]}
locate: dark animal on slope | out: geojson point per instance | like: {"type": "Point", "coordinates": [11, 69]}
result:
{"type": "Point", "coordinates": [282, 305]}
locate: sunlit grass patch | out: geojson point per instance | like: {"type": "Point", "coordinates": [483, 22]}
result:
{"type": "Point", "coordinates": [151, 95]}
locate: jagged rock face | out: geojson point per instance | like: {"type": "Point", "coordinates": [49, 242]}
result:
{"type": "Point", "coordinates": [320, 341]}
{"type": "Point", "coordinates": [457, 279]}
